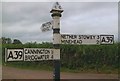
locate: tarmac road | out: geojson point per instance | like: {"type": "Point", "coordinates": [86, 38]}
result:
{"type": "Point", "coordinates": [15, 73]}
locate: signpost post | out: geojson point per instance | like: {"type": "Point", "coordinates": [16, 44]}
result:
{"type": "Point", "coordinates": [56, 14]}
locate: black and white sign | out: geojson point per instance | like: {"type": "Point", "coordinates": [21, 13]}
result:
{"type": "Point", "coordinates": [32, 54]}
{"type": "Point", "coordinates": [47, 26]}
{"type": "Point", "coordinates": [14, 55]}
{"type": "Point", "coordinates": [80, 39]}
{"type": "Point", "coordinates": [87, 39]}
{"type": "Point", "coordinates": [107, 39]}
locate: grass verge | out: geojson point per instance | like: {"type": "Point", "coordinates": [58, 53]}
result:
{"type": "Point", "coordinates": [105, 70]}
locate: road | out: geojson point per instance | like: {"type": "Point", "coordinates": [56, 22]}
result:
{"type": "Point", "coordinates": [15, 73]}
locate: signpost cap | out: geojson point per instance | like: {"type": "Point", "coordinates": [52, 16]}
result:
{"type": "Point", "coordinates": [56, 8]}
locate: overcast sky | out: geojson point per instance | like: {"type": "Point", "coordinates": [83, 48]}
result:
{"type": "Point", "coordinates": [22, 20]}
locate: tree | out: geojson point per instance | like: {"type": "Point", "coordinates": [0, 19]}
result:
{"type": "Point", "coordinates": [6, 40]}
{"type": "Point", "coordinates": [16, 41]}
{"type": "Point", "coordinates": [3, 40]}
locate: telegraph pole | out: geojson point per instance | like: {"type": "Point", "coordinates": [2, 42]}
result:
{"type": "Point", "coordinates": [56, 14]}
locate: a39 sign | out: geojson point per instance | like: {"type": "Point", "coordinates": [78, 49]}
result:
{"type": "Point", "coordinates": [32, 54]}
{"type": "Point", "coordinates": [87, 39]}
{"type": "Point", "coordinates": [14, 54]}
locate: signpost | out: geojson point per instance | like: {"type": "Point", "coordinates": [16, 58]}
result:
{"type": "Point", "coordinates": [56, 14]}
{"type": "Point", "coordinates": [38, 54]}
{"type": "Point", "coordinates": [47, 26]}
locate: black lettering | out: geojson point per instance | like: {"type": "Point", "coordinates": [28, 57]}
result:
{"type": "Point", "coordinates": [103, 39]}
{"type": "Point", "coordinates": [10, 55]}
{"type": "Point", "coordinates": [32, 57]}
{"type": "Point", "coordinates": [32, 51]}
{"type": "Point", "coordinates": [87, 37]}
{"type": "Point", "coordinates": [110, 39]}
{"type": "Point", "coordinates": [35, 57]}
{"type": "Point", "coordinates": [26, 57]}
{"type": "Point", "coordinates": [63, 36]}
{"type": "Point", "coordinates": [79, 36]}
{"type": "Point", "coordinates": [25, 51]}
{"type": "Point", "coordinates": [79, 41]}
{"type": "Point", "coordinates": [73, 36]}
{"type": "Point", "coordinates": [98, 42]}
{"type": "Point", "coordinates": [46, 56]}
{"type": "Point", "coordinates": [37, 51]}
{"type": "Point", "coordinates": [65, 41]}
{"type": "Point", "coordinates": [40, 57]}
{"type": "Point", "coordinates": [20, 54]}
{"type": "Point", "coordinates": [52, 57]}
{"type": "Point", "coordinates": [98, 37]}
{"type": "Point", "coordinates": [17, 54]}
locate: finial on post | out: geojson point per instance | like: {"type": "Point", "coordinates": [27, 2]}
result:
{"type": "Point", "coordinates": [56, 10]}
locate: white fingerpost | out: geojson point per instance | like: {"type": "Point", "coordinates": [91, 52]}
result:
{"type": "Point", "coordinates": [56, 14]}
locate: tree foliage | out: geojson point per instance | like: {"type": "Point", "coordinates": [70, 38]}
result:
{"type": "Point", "coordinates": [9, 41]}
{"type": "Point", "coordinates": [16, 41]}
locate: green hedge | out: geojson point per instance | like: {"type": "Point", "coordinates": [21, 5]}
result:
{"type": "Point", "coordinates": [75, 56]}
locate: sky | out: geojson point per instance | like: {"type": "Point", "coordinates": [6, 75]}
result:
{"type": "Point", "coordinates": [22, 20]}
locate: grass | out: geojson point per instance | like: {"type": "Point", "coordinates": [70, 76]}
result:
{"type": "Point", "coordinates": [42, 67]}
{"type": "Point", "coordinates": [105, 70]}
{"type": "Point", "coordinates": [82, 70]}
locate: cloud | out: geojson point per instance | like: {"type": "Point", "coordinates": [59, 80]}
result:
{"type": "Point", "coordinates": [91, 18]}
{"type": "Point", "coordinates": [18, 12]}
{"type": "Point", "coordinates": [60, 0]}
{"type": "Point", "coordinates": [0, 19]}
{"type": "Point", "coordinates": [23, 20]}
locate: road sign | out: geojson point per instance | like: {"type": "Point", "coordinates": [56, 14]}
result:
{"type": "Point", "coordinates": [37, 54]}
{"type": "Point", "coordinates": [87, 39]}
{"type": "Point", "coordinates": [14, 55]}
{"type": "Point", "coordinates": [47, 26]}
{"type": "Point", "coordinates": [80, 39]}
{"type": "Point", "coordinates": [107, 39]}
{"type": "Point", "coordinates": [32, 54]}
